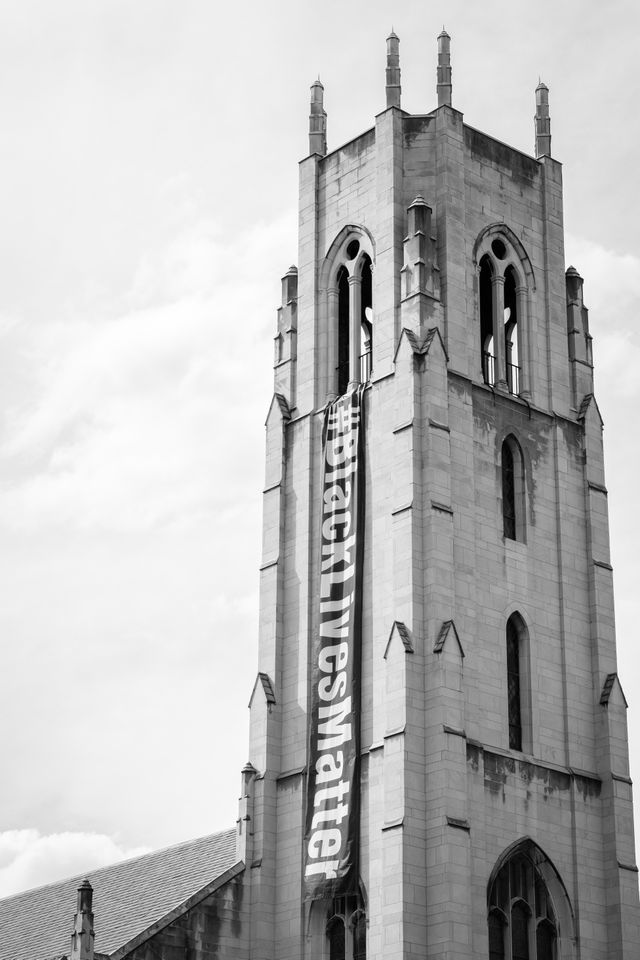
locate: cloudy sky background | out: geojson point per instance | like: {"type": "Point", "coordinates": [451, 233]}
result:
{"type": "Point", "coordinates": [148, 196]}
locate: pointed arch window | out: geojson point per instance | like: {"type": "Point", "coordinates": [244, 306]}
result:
{"type": "Point", "coordinates": [486, 320]}
{"type": "Point", "coordinates": [513, 490]}
{"type": "Point", "coordinates": [347, 279]}
{"type": "Point", "coordinates": [518, 686]}
{"type": "Point", "coordinates": [504, 277]}
{"type": "Point", "coordinates": [522, 921]}
{"type": "Point", "coordinates": [513, 686]}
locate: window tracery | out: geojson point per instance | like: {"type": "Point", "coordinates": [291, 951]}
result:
{"type": "Point", "coordinates": [348, 275]}
{"type": "Point", "coordinates": [522, 921]}
{"type": "Point", "coordinates": [346, 929]}
{"type": "Point", "coordinates": [505, 279]}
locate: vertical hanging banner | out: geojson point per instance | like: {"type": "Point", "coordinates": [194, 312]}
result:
{"type": "Point", "coordinates": [333, 788]}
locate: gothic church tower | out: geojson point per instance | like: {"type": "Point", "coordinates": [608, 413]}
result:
{"type": "Point", "coordinates": [488, 811]}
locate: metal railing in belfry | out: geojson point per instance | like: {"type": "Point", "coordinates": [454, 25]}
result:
{"type": "Point", "coordinates": [489, 373]}
{"type": "Point", "coordinates": [365, 369]}
{"type": "Point", "coordinates": [513, 378]}
{"type": "Point", "coordinates": [365, 366]}
{"type": "Point", "coordinates": [488, 367]}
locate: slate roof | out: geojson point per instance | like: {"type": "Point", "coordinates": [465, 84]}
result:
{"type": "Point", "coordinates": [128, 897]}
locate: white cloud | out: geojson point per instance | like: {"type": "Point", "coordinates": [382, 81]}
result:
{"type": "Point", "coordinates": [28, 859]}
{"type": "Point", "coordinates": [141, 419]}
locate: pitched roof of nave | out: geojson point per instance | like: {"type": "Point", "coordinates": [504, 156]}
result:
{"type": "Point", "coordinates": [129, 898]}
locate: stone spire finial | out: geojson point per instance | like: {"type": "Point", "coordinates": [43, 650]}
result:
{"type": "Point", "coordinates": [83, 936]}
{"type": "Point", "coordinates": [317, 120]}
{"type": "Point", "coordinates": [542, 121]}
{"type": "Point", "coordinates": [444, 69]}
{"type": "Point", "coordinates": [393, 87]}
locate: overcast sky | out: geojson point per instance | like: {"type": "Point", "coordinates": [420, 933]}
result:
{"type": "Point", "coordinates": [148, 210]}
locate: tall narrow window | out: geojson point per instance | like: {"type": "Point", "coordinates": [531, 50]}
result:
{"type": "Point", "coordinates": [336, 938]}
{"type": "Point", "coordinates": [514, 684]}
{"type": "Point", "coordinates": [513, 490]}
{"type": "Point", "coordinates": [522, 924]}
{"type": "Point", "coordinates": [343, 330]}
{"type": "Point", "coordinates": [366, 317]}
{"type": "Point", "coordinates": [545, 940]}
{"type": "Point", "coordinates": [520, 932]}
{"type": "Point", "coordinates": [511, 331]}
{"type": "Point", "coordinates": [496, 936]}
{"type": "Point", "coordinates": [508, 493]}
{"type": "Point", "coordinates": [486, 321]}
{"type": "Point", "coordinates": [359, 936]}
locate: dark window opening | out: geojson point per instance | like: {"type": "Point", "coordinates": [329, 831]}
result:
{"type": "Point", "coordinates": [366, 321]}
{"type": "Point", "coordinates": [520, 932]}
{"type": "Point", "coordinates": [496, 936]}
{"type": "Point", "coordinates": [486, 321]}
{"type": "Point", "coordinates": [511, 331]}
{"type": "Point", "coordinates": [508, 492]}
{"type": "Point", "coordinates": [513, 491]}
{"type": "Point", "coordinates": [545, 940]}
{"type": "Point", "coordinates": [353, 250]}
{"type": "Point", "coordinates": [499, 248]}
{"type": "Point", "coordinates": [513, 685]}
{"type": "Point", "coordinates": [359, 936]}
{"type": "Point", "coordinates": [336, 937]}
{"type": "Point", "coordinates": [343, 330]}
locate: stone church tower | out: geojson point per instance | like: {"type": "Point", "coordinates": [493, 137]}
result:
{"type": "Point", "coordinates": [490, 792]}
